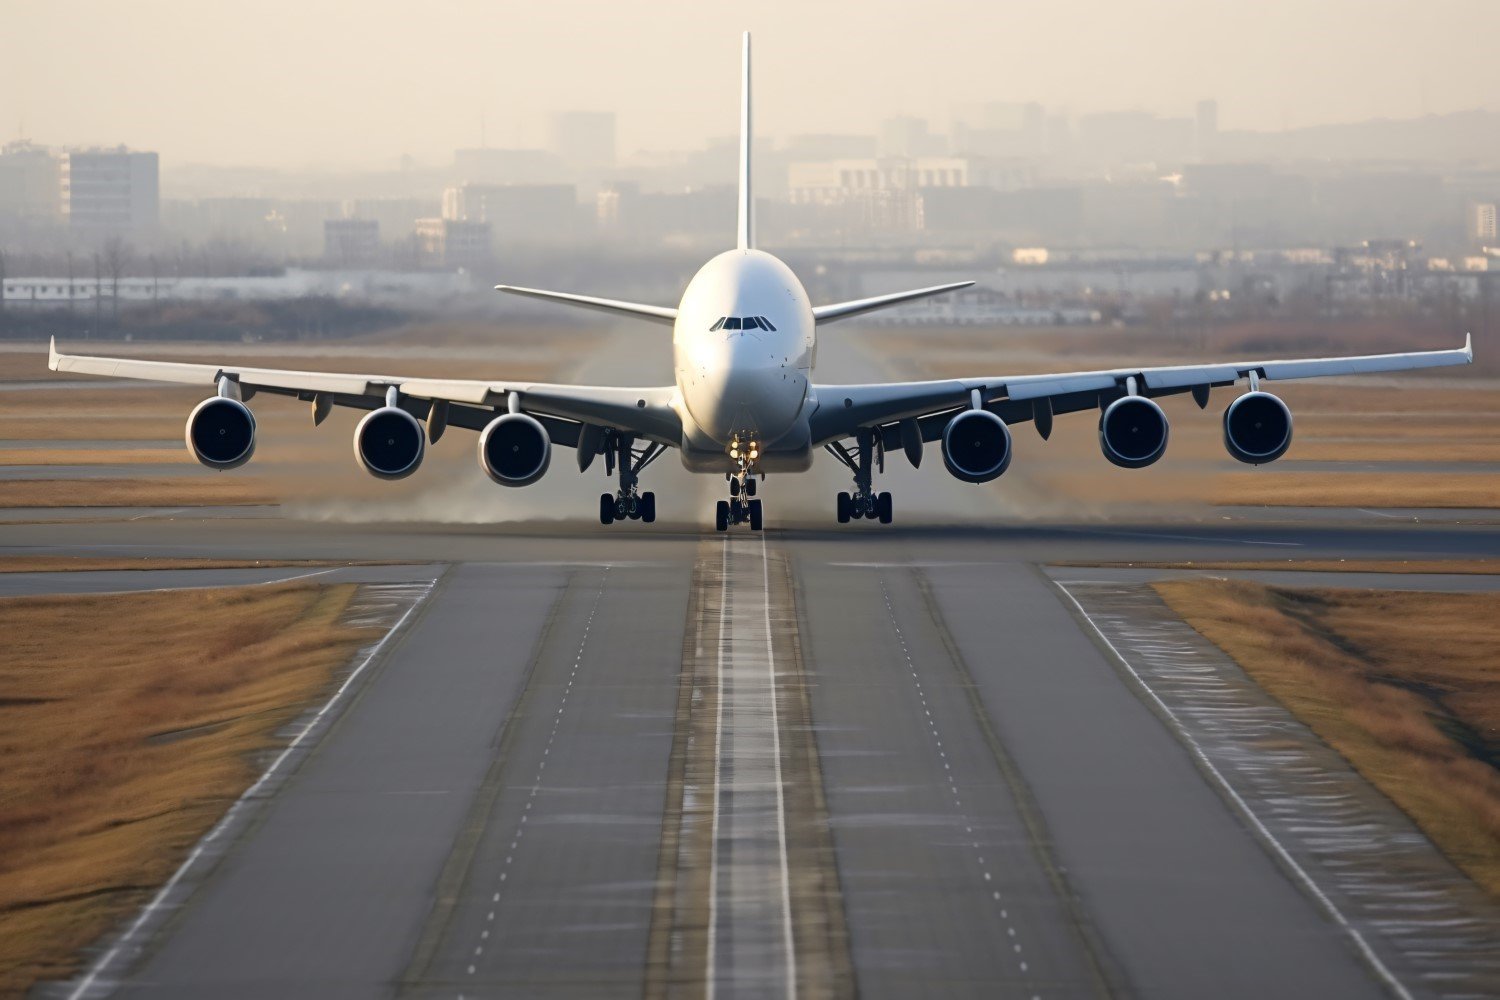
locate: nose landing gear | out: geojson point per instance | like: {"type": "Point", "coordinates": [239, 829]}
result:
{"type": "Point", "coordinates": [864, 502]}
{"type": "Point", "coordinates": [742, 506]}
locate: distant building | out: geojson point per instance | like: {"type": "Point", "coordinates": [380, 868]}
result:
{"type": "Point", "coordinates": [110, 192]}
{"type": "Point", "coordinates": [536, 213]}
{"type": "Point", "coordinates": [30, 182]}
{"type": "Point", "coordinates": [1482, 228]}
{"type": "Point", "coordinates": [585, 140]}
{"type": "Point", "coordinates": [505, 166]}
{"type": "Point", "coordinates": [909, 136]}
{"type": "Point", "coordinates": [453, 243]}
{"type": "Point", "coordinates": [351, 242]}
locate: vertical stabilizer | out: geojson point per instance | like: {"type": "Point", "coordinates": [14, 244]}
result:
{"type": "Point", "coordinates": [747, 195]}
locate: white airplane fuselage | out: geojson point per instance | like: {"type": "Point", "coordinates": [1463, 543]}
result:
{"type": "Point", "coordinates": [747, 384]}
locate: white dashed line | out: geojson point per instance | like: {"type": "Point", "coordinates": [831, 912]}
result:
{"type": "Point", "coordinates": [1010, 930]}
{"type": "Point", "coordinates": [541, 764]}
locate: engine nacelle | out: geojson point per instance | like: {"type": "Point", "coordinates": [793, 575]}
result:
{"type": "Point", "coordinates": [221, 433]}
{"type": "Point", "coordinates": [514, 449]}
{"type": "Point", "coordinates": [976, 446]}
{"type": "Point", "coordinates": [389, 443]}
{"type": "Point", "coordinates": [1257, 428]}
{"type": "Point", "coordinates": [1133, 432]}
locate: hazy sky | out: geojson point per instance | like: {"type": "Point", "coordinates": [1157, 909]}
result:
{"type": "Point", "coordinates": [359, 83]}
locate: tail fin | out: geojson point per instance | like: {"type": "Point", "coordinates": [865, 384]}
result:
{"type": "Point", "coordinates": [747, 195]}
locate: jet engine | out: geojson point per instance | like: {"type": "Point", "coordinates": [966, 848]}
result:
{"type": "Point", "coordinates": [221, 433]}
{"type": "Point", "coordinates": [976, 446]}
{"type": "Point", "coordinates": [389, 443]}
{"type": "Point", "coordinates": [1132, 432]}
{"type": "Point", "coordinates": [1257, 428]}
{"type": "Point", "coordinates": [514, 449]}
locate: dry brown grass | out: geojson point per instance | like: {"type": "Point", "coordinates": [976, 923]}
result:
{"type": "Point", "coordinates": [94, 456]}
{"type": "Point", "coordinates": [92, 564]}
{"type": "Point", "coordinates": [1357, 489]}
{"type": "Point", "coordinates": [121, 750]}
{"type": "Point", "coordinates": [1461, 567]}
{"type": "Point", "coordinates": [183, 491]}
{"type": "Point", "coordinates": [1402, 684]}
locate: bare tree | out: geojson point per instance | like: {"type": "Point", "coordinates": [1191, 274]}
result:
{"type": "Point", "coordinates": [116, 259]}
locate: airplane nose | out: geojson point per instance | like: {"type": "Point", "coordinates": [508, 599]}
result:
{"type": "Point", "coordinates": [748, 396]}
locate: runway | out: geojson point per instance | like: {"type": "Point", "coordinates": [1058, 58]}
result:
{"type": "Point", "coordinates": [923, 760]}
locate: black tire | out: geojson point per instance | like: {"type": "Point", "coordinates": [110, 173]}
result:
{"type": "Point", "coordinates": [734, 486]}
{"type": "Point", "coordinates": [843, 508]}
{"type": "Point", "coordinates": [648, 507]}
{"type": "Point", "coordinates": [606, 509]}
{"type": "Point", "coordinates": [750, 487]}
{"type": "Point", "coordinates": [721, 515]}
{"type": "Point", "coordinates": [883, 508]}
{"type": "Point", "coordinates": [755, 518]}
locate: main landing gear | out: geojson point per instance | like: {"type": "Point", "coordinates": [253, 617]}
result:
{"type": "Point", "coordinates": [742, 506]}
{"type": "Point", "coordinates": [627, 503]}
{"type": "Point", "coordinates": [864, 502]}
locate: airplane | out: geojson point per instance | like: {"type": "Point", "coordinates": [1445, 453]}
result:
{"type": "Point", "coordinates": [744, 403]}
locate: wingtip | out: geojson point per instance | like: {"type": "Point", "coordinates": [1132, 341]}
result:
{"type": "Point", "coordinates": [52, 353]}
{"type": "Point", "coordinates": [1469, 346]}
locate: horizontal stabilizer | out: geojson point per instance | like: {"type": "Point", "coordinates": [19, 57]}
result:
{"type": "Point", "coordinates": [843, 310]}
{"type": "Point", "coordinates": [657, 314]}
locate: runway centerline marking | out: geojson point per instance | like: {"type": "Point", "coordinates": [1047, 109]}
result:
{"type": "Point", "coordinates": [1243, 807]}
{"type": "Point", "coordinates": [757, 956]}
{"type": "Point", "coordinates": [157, 901]}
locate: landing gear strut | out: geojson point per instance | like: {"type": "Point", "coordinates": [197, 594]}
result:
{"type": "Point", "coordinates": [864, 501]}
{"type": "Point", "coordinates": [741, 507]}
{"type": "Point", "coordinates": [627, 503]}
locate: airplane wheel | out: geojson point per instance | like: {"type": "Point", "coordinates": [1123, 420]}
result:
{"type": "Point", "coordinates": [648, 507]}
{"type": "Point", "coordinates": [883, 508]}
{"type": "Point", "coordinates": [755, 520]}
{"type": "Point", "coordinates": [843, 508]}
{"type": "Point", "coordinates": [734, 487]}
{"type": "Point", "coordinates": [721, 516]}
{"type": "Point", "coordinates": [750, 487]}
{"type": "Point", "coordinates": [606, 509]}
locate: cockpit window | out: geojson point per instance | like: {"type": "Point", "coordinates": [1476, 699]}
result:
{"type": "Point", "coordinates": [742, 323]}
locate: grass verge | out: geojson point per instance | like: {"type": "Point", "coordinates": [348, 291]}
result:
{"type": "Point", "coordinates": [1357, 489]}
{"type": "Point", "coordinates": [121, 750]}
{"type": "Point", "coordinates": [1457, 567]}
{"type": "Point", "coordinates": [1402, 684]}
{"type": "Point", "coordinates": [98, 564]}
{"type": "Point", "coordinates": [207, 491]}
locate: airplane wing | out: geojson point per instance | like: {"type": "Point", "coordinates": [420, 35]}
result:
{"type": "Point", "coordinates": [656, 314]}
{"type": "Point", "coordinates": [844, 410]}
{"type": "Point", "coordinates": [644, 412]}
{"type": "Point", "coordinates": [857, 307]}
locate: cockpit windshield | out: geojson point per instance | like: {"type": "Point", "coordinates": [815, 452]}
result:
{"type": "Point", "coordinates": [742, 323]}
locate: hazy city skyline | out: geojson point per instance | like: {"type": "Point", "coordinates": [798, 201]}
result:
{"type": "Point", "coordinates": [293, 85]}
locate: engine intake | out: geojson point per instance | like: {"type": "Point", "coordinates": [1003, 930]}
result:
{"type": "Point", "coordinates": [221, 433]}
{"type": "Point", "coordinates": [389, 443]}
{"type": "Point", "coordinates": [976, 446]}
{"type": "Point", "coordinates": [1133, 432]}
{"type": "Point", "coordinates": [1257, 428]}
{"type": "Point", "coordinates": [514, 449]}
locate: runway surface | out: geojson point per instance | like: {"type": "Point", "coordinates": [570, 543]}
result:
{"type": "Point", "coordinates": [885, 762]}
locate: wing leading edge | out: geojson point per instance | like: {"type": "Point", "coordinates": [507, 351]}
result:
{"type": "Point", "coordinates": [644, 411]}
{"type": "Point", "coordinates": [843, 409]}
